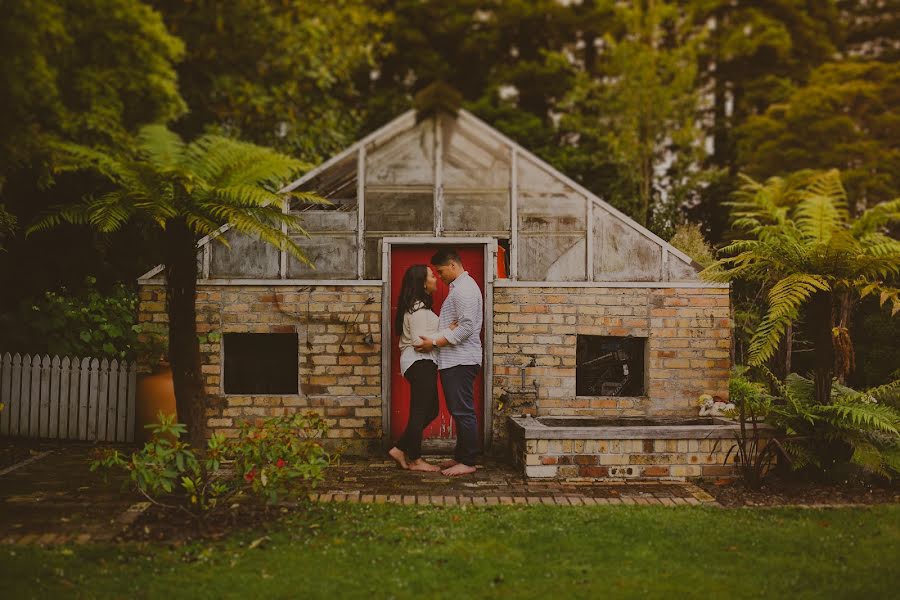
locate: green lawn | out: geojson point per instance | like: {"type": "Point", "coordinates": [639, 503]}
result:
{"type": "Point", "coordinates": [376, 551]}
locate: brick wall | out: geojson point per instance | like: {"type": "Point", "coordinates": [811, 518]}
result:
{"type": "Point", "coordinates": [339, 369]}
{"type": "Point", "coordinates": [688, 333]}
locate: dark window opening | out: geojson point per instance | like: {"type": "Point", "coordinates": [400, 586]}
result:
{"type": "Point", "coordinates": [261, 363]}
{"type": "Point", "coordinates": [609, 366]}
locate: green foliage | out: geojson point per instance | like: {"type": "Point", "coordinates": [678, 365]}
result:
{"type": "Point", "coordinates": [642, 109]}
{"type": "Point", "coordinates": [84, 70]}
{"type": "Point", "coordinates": [846, 117]}
{"type": "Point", "coordinates": [755, 447]}
{"type": "Point", "coordinates": [689, 239]}
{"type": "Point", "coordinates": [273, 456]}
{"type": "Point", "coordinates": [205, 184]}
{"type": "Point", "coordinates": [800, 241]}
{"type": "Point", "coordinates": [8, 224]}
{"type": "Point", "coordinates": [280, 458]}
{"type": "Point", "coordinates": [92, 322]}
{"type": "Point", "coordinates": [862, 422]}
{"type": "Point", "coordinates": [278, 74]}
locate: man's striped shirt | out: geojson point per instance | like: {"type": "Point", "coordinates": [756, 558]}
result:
{"type": "Point", "coordinates": [464, 305]}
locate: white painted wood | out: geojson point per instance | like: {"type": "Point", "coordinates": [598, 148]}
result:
{"type": "Point", "coordinates": [130, 406]}
{"type": "Point", "coordinates": [122, 414]}
{"type": "Point", "coordinates": [613, 284]}
{"type": "Point", "coordinates": [64, 375]}
{"type": "Point", "coordinates": [589, 240]}
{"type": "Point", "coordinates": [93, 400]}
{"type": "Point", "coordinates": [71, 395]}
{"type": "Point", "coordinates": [513, 213]}
{"type": "Point", "coordinates": [282, 254]}
{"type": "Point", "coordinates": [277, 282]}
{"type": "Point", "coordinates": [44, 404]}
{"type": "Point", "coordinates": [386, 328]}
{"type": "Point", "coordinates": [34, 400]}
{"type": "Point", "coordinates": [207, 253]}
{"type": "Point", "coordinates": [438, 162]}
{"type": "Point", "coordinates": [84, 375]}
{"type": "Point", "coordinates": [445, 241]}
{"type": "Point", "coordinates": [112, 401]}
{"type": "Point", "coordinates": [17, 396]}
{"type": "Point", "coordinates": [102, 401]}
{"type": "Point", "coordinates": [5, 392]}
{"type": "Point", "coordinates": [361, 212]}
{"type": "Point", "coordinates": [665, 265]}
{"type": "Point", "coordinates": [487, 394]}
{"type": "Point", "coordinates": [53, 417]}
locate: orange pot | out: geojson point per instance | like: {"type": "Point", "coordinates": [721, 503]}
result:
{"type": "Point", "coordinates": [155, 393]}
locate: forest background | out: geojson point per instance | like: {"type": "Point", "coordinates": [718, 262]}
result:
{"type": "Point", "coordinates": [655, 106]}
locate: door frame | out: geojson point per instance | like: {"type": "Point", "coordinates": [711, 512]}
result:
{"type": "Point", "coordinates": [490, 266]}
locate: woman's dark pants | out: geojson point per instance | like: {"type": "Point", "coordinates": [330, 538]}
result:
{"type": "Point", "coordinates": [423, 406]}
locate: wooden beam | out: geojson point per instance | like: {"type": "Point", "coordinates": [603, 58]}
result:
{"type": "Point", "coordinates": [360, 212]}
{"type": "Point", "coordinates": [589, 240]}
{"type": "Point", "coordinates": [438, 163]}
{"type": "Point", "coordinates": [513, 213]}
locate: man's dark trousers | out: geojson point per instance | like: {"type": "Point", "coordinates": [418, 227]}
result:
{"type": "Point", "coordinates": [458, 383]}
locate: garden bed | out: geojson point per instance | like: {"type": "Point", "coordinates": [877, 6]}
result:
{"type": "Point", "coordinates": [781, 491]}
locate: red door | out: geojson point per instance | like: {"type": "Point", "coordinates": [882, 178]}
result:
{"type": "Point", "coordinates": [403, 257]}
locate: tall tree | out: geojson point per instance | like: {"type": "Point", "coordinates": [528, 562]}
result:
{"type": "Point", "coordinates": [275, 72]}
{"type": "Point", "coordinates": [88, 71]}
{"type": "Point", "coordinates": [754, 52]}
{"type": "Point", "coordinates": [847, 117]}
{"type": "Point", "coordinates": [643, 108]}
{"type": "Point", "coordinates": [85, 70]}
{"type": "Point", "coordinates": [188, 191]}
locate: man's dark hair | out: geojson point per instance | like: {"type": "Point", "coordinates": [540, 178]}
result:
{"type": "Point", "coordinates": [444, 256]}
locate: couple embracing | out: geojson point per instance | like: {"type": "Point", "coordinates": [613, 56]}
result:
{"type": "Point", "coordinates": [449, 345]}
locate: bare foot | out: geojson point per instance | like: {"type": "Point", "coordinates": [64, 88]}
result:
{"type": "Point", "coordinates": [448, 463]}
{"type": "Point", "coordinates": [398, 455]}
{"type": "Point", "coordinates": [458, 469]}
{"type": "Point", "coordinates": [421, 465]}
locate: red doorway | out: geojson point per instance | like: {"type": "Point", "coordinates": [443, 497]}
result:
{"type": "Point", "coordinates": [403, 257]}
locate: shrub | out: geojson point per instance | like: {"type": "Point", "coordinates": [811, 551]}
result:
{"type": "Point", "coordinates": [755, 447]}
{"type": "Point", "coordinates": [280, 457]}
{"type": "Point", "coordinates": [89, 323]}
{"type": "Point", "coordinates": [859, 427]}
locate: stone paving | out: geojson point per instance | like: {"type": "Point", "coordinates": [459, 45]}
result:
{"type": "Point", "coordinates": [380, 481]}
{"type": "Point", "coordinates": [52, 498]}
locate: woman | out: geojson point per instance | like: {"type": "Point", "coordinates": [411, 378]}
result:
{"type": "Point", "coordinates": [415, 319]}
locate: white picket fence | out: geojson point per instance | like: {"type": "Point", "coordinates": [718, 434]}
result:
{"type": "Point", "coordinates": [69, 399]}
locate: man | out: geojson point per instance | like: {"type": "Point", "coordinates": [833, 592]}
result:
{"type": "Point", "coordinates": [459, 359]}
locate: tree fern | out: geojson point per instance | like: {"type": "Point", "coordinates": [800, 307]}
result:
{"type": "Point", "coordinates": [785, 299]}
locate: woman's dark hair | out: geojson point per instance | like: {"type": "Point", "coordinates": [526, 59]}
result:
{"type": "Point", "coordinates": [412, 291]}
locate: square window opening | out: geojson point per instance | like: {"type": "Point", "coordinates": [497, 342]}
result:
{"type": "Point", "coordinates": [261, 363]}
{"type": "Point", "coordinates": [609, 365]}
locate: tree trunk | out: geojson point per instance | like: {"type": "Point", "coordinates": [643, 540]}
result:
{"type": "Point", "coordinates": [781, 364]}
{"type": "Point", "coordinates": [820, 320]}
{"type": "Point", "coordinates": [184, 346]}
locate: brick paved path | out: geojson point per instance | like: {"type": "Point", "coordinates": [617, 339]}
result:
{"type": "Point", "coordinates": [495, 483]}
{"type": "Point", "coordinates": [52, 497]}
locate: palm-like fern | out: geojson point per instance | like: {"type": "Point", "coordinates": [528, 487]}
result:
{"type": "Point", "coordinates": [859, 419]}
{"type": "Point", "coordinates": [189, 190]}
{"type": "Point", "coordinates": [210, 182]}
{"type": "Point", "coordinates": [800, 242]}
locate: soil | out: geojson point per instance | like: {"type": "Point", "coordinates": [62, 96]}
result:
{"type": "Point", "coordinates": [15, 450]}
{"type": "Point", "coordinates": [781, 491]}
{"type": "Point", "coordinates": [161, 525]}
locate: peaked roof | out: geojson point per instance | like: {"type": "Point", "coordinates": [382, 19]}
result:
{"type": "Point", "coordinates": [407, 120]}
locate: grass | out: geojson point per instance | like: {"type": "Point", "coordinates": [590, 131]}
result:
{"type": "Point", "coordinates": [379, 551]}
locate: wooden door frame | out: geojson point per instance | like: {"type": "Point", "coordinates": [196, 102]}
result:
{"type": "Point", "coordinates": [490, 266]}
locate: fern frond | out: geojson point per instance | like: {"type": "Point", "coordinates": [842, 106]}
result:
{"type": "Point", "coordinates": [860, 415]}
{"type": "Point", "coordinates": [161, 146]}
{"type": "Point", "coordinates": [785, 299]}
